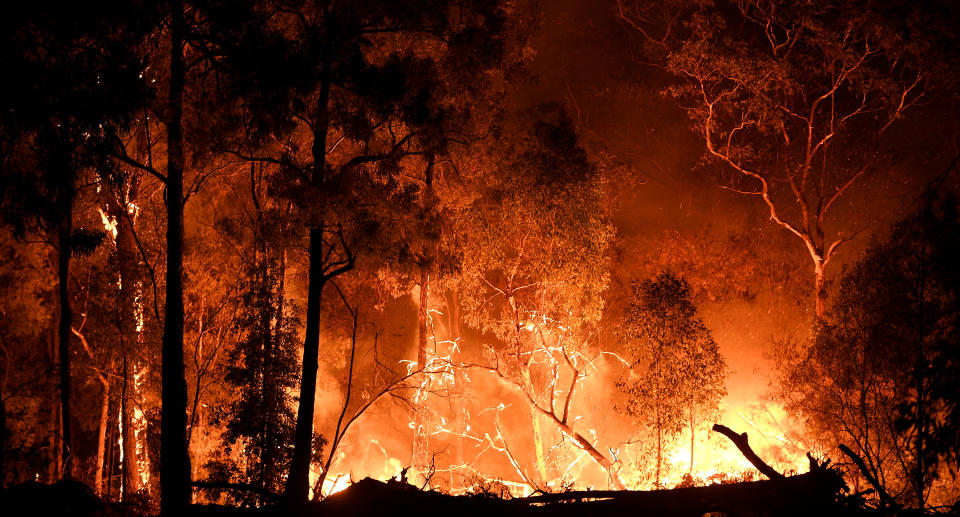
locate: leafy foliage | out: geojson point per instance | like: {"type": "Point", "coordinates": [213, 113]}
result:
{"type": "Point", "coordinates": [881, 372]}
{"type": "Point", "coordinates": [681, 373]}
{"type": "Point", "coordinates": [538, 234]}
{"type": "Point", "coordinates": [264, 370]}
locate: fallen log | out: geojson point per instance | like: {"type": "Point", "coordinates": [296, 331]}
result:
{"type": "Point", "coordinates": [804, 494]}
{"type": "Point", "coordinates": [816, 492]}
{"type": "Point", "coordinates": [742, 443]}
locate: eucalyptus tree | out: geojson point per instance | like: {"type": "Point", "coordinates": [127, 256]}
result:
{"type": "Point", "coordinates": [73, 81]}
{"type": "Point", "coordinates": [350, 93]}
{"type": "Point", "coordinates": [533, 266]}
{"type": "Point", "coordinates": [188, 71]}
{"type": "Point", "coordinates": [796, 102]}
{"type": "Point", "coordinates": [680, 375]}
{"type": "Point", "coordinates": [880, 373]}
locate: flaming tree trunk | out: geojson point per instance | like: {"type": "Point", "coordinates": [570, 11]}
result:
{"type": "Point", "coordinates": [131, 478]}
{"type": "Point", "coordinates": [102, 437]}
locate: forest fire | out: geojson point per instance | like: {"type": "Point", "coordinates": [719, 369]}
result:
{"type": "Point", "coordinates": [480, 256]}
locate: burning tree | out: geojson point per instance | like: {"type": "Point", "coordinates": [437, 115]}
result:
{"type": "Point", "coordinates": [76, 83]}
{"type": "Point", "coordinates": [348, 96]}
{"type": "Point", "coordinates": [681, 372]}
{"type": "Point", "coordinates": [536, 270]}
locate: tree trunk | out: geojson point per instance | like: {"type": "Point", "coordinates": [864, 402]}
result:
{"type": "Point", "coordinates": [659, 452]}
{"type": "Point", "coordinates": [920, 411]}
{"type": "Point", "coordinates": [692, 436]}
{"type": "Point", "coordinates": [272, 472]}
{"type": "Point", "coordinates": [422, 317]}
{"type": "Point", "coordinates": [420, 444]}
{"type": "Point", "coordinates": [130, 478]}
{"type": "Point", "coordinates": [175, 491]}
{"type": "Point", "coordinates": [3, 441]}
{"type": "Point", "coordinates": [537, 431]}
{"type": "Point", "coordinates": [658, 422]}
{"type": "Point", "coordinates": [460, 414]}
{"type": "Point", "coordinates": [126, 315]}
{"type": "Point", "coordinates": [819, 287]}
{"type": "Point", "coordinates": [102, 436]}
{"type": "Point", "coordinates": [268, 385]}
{"type": "Point", "coordinates": [298, 483]}
{"type": "Point", "coordinates": [64, 251]}
{"type": "Point", "coordinates": [55, 443]}
{"type": "Point", "coordinates": [111, 452]}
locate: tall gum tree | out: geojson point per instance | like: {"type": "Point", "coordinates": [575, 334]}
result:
{"type": "Point", "coordinates": [73, 82]}
{"type": "Point", "coordinates": [794, 100]}
{"type": "Point", "coordinates": [190, 81]}
{"type": "Point", "coordinates": [534, 267]}
{"type": "Point", "coordinates": [682, 372]}
{"type": "Point", "coordinates": [351, 91]}
{"type": "Point", "coordinates": [874, 379]}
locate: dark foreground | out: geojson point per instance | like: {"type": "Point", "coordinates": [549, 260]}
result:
{"type": "Point", "coordinates": [812, 494]}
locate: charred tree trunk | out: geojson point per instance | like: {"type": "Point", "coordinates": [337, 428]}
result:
{"type": "Point", "coordinates": [659, 450]}
{"type": "Point", "coordinates": [658, 417]}
{"type": "Point", "coordinates": [298, 483]}
{"type": "Point", "coordinates": [3, 441]}
{"type": "Point", "coordinates": [64, 250]}
{"type": "Point", "coordinates": [692, 438]}
{"type": "Point", "coordinates": [175, 462]}
{"type": "Point", "coordinates": [55, 442]}
{"type": "Point", "coordinates": [885, 498]}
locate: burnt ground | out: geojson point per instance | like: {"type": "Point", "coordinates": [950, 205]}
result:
{"type": "Point", "coordinates": [812, 494]}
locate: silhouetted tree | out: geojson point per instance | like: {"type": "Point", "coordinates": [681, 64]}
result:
{"type": "Point", "coordinates": [263, 367]}
{"type": "Point", "coordinates": [72, 82]}
{"type": "Point", "coordinates": [881, 372]}
{"type": "Point", "coordinates": [355, 89]}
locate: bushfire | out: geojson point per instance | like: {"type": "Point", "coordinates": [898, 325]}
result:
{"type": "Point", "coordinates": [687, 256]}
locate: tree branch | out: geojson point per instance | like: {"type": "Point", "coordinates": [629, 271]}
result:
{"type": "Point", "coordinates": [740, 440]}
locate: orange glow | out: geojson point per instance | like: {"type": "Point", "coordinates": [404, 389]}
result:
{"type": "Point", "coordinates": [490, 444]}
